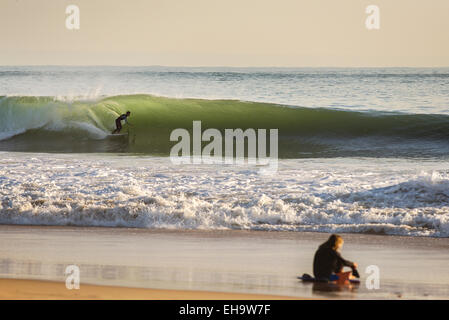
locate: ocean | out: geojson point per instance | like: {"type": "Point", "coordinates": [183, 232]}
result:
{"type": "Point", "coordinates": [361, 150]}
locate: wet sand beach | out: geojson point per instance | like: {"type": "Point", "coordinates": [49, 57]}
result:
{"type": "Point", "coordinates": [190, 263]}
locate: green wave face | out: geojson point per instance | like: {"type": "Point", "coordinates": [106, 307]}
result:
{"type": "Point", "coordinates": [50, 125]}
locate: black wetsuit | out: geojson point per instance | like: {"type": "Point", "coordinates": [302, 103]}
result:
{"type": "Point", "coordinates": [328, 261]}
{"type": "Point", "coordinates": [118, 121]}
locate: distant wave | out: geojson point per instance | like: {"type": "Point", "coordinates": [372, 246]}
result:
{"type": "Point", "coordinates": [49, 124]}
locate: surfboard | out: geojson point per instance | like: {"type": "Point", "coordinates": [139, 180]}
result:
{"type": "Point", "coordinates": [117, 134]}
{"type": "Point", "coordinates": [312, 279]}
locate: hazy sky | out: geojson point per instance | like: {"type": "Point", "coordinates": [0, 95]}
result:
{"type": "Point", "coordinates": [225, 33]}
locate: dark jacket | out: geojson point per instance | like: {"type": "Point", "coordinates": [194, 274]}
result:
{"type": "Point", "coordinates": [122, 117]}
{"type": "Point", "coordinates": [328, 261]}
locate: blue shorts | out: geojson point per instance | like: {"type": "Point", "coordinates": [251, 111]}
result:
{"type": "Point", "coordinates": [333, 277]}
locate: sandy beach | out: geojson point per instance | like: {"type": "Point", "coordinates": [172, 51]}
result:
{"type": "Point", "coordinates": [125, 263]}
{"type": "Point", "coordinates": [13, 289]}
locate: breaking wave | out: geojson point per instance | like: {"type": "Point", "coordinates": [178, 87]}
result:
{"type": "Point", "coordinates": [47, 124]}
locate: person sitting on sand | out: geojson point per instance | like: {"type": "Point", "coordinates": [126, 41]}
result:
{"type": "Point", "coordinates": [328, 263]}
{"type": "Point", "coordinates": [118, 122]}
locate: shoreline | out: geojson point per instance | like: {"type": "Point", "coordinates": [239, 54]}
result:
{"type": "Point", "coordinates": [214, 233]}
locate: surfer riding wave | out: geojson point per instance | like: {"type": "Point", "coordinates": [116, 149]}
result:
{"type": "Point", "coordinates": [118, 122]}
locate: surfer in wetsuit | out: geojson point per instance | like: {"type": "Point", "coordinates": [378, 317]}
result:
{"type": "Point", "coordinates": [328, 263]}
{"type": "Point", "coordinates": [118, 122]}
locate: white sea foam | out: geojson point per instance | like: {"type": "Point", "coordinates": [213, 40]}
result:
{"type": "Point", "coordinates": [17, 117]}
{"type": "Point", "coordinates": [91, 130]}
{"type": "Point", "coordinates": [348, 195]}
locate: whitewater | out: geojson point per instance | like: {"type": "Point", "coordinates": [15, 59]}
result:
{"type": "Point", "coordinates": [361, 150]}
{"type": "Point", "coordinates": [329, 195]}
